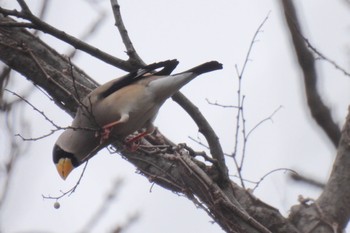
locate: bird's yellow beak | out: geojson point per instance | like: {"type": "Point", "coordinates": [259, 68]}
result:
{"type": "Point", "coordinates": [64, 167]}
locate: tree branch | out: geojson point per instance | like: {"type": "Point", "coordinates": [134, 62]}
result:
{"type": "Point", "coordinates": [306, 180]}
{"type": "Point", "coordinates": [319, 111]}
{"type": "Point", "coordinates": [209, 134]}
{"type": "Point", "coordinates": [331, 211]}
{"type": "Point", "coordinates": [134, 58]}
{"type": "Point", "coordinates": [335, 199]}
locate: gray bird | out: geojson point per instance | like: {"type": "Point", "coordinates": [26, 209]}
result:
{"type": "Point", "coordinates": [120, 108]}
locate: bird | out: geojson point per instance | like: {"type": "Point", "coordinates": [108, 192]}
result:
{"type": "Point", "coordinates": [118, 109]}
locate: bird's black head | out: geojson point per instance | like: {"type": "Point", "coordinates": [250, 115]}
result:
{"type": "Point", "coordinates": [65, 161]}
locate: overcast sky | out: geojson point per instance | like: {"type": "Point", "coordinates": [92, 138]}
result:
{"type": "Point", "coordinates": [193, 32]}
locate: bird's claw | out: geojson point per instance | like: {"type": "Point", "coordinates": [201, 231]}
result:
{"type": "Point", "coordinates": [104, 134]}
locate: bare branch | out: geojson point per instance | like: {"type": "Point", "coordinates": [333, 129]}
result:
{"type": "Point", "coordinates": [323, 57]}
{"type": "Point", "coordinates": [70, 191]}
{"type": "Point", "coordinates": [24, 6]}
{"type": "Point", "coordinates": [306, 180]}
{"type": "Point", "coordinates": [134, 58]}
{"type": "Point", "coordinates": [18, 25]}
{"type": "Point", "coordinates": [220, 105]}
{"type": "Point", "coordinates": [269, 118]}
{"type": "Point", "coordinates": [254, 40]}
{"type": "Point", "coordinates": [205, 128]}
{"type": "Point", "coordinates": [319, 111]}
{"type": "Point", "coordinates": [271, 172]}
{"type": "Point", "coordinates": [34, 108]}
{"type": "Point", "coordinates": [57, 127]}
{"type": "Point", "coordinates": [240, 107]}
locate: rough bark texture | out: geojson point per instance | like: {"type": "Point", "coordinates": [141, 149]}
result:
{"type": "Point", "coordinates": [331, 211]}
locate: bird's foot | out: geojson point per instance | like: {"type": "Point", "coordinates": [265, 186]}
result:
{"type": "Point", "coordinates": [106, 130]}
{"type": "Point", "coordinates": [104, 135]}
{"type": "Point", "coordinates": [133, 143]}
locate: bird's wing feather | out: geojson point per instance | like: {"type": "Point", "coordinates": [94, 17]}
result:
{"type": "Point", "coordinates": [168, 66]}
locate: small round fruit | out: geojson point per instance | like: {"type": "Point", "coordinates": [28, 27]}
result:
{"type": "Point", "coordinates": [56, 205]}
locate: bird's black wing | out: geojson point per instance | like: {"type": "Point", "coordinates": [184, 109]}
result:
{"type": "Point", "coordinates": [205, 67]}
{"type": "Point", "coordinates": [168, 66]}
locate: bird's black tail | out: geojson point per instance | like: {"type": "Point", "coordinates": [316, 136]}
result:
{"type": "Point", "coordinates": [206, 67]}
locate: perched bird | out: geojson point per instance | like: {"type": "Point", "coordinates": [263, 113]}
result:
{"type": "Point", "coordinates": [119, 108]}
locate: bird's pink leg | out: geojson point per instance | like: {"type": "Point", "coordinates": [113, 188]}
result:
{"type": "Point", "coordinates": [106, 129]}
{"type": "Point", "coordinates": [131, 145]}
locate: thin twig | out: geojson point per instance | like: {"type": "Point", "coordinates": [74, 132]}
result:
{"type": "Point", "coordinates": [321, 56]}
{"type": "Point", "coordinates": [220, 105]}
{"type": "Point", "coordinates": [240, 106]}
{"type": "Point", "coordinates": [70, 191]}
{"type": "Point", "coordinates": [247, 58]}
{"type": "Point", "coordinates": [269, 118]}
{"type": "Point", "coordinates": [42, 69]}
{"type": "Point", "coordinates": [246, 135]}
{"type": "Point", "coordinates": [58, 128]}
{"type": "Point", "coordinates": [271, 172]}
{"type": "Point", "coordinates": [35, 108]}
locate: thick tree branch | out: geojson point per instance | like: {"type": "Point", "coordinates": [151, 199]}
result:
{"type": "Point", "coordinates": [319, 110]}
{"type": "Point", "coordinates": [331, 211]}
{"type": "Point", "coordinates": [335, 199]}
